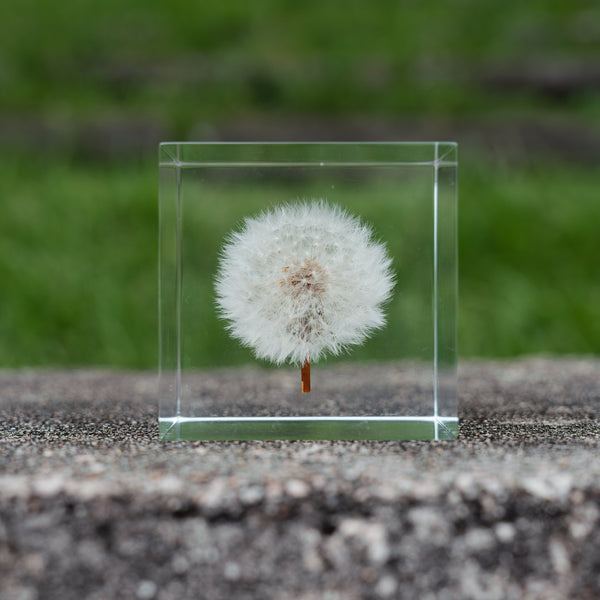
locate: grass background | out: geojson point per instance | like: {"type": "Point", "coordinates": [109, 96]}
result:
{"type": "Point", "coordinates": [89, 88]}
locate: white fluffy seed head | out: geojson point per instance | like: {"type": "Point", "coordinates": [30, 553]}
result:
{"type": "Point", "coordinates": [302, 280]}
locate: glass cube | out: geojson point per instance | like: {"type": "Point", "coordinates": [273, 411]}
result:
{"type": "Point", "coordinates": [399, 383]}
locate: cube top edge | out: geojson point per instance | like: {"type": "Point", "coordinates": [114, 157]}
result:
{"type": "Point", "coordinates": [308, 153]}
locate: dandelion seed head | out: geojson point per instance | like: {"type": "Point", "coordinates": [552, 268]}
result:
{"type": "Point", "coordinates": [303, 280]}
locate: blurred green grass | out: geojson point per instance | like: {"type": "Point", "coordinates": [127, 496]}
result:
{"type": "Point", "coordinates": [78, 234]}
{"type": "Point", "coordinates": [79, 262]}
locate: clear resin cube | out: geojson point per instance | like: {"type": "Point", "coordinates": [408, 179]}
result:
{"type": "Point", "coordinates": [297, 280]}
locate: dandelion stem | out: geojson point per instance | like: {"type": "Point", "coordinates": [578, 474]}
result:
{"type": "Point", "coordinates": [305, 371]}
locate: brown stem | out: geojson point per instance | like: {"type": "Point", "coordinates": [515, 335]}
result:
{"type": "Point", "coordinates": [305, 371]}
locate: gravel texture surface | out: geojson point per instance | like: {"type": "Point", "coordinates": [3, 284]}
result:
{"type": "Point", "coordinates": [93, 505]}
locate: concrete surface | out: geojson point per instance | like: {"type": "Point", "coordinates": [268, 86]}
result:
{"type": "Point", "coordinates": [93, 505]}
